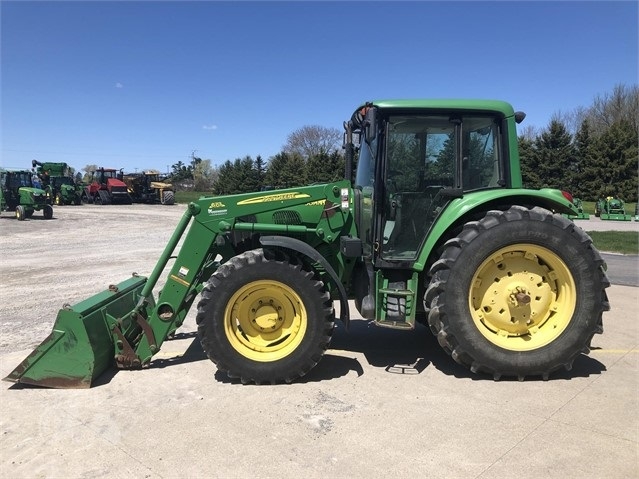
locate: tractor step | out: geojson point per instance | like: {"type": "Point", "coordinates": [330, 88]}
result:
{"type": "Point", "coordinates": [404, 325]}
{"type": "Point", "coordinates": [397, 309]}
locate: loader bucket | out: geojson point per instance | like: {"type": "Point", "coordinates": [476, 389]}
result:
{"type": "Point", "coordinates": [81, 345]}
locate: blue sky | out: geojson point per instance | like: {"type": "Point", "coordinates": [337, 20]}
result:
{"type": "Point", "coordinates": [138, 85]}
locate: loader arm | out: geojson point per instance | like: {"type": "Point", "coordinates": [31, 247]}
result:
{"type": "Point", "coordinates": [126, 325]}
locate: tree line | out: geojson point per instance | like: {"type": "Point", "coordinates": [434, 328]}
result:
{"type": "Point", "coordinates": [311, 154]}
{"type": "Point", "coordinates": [590, 152]}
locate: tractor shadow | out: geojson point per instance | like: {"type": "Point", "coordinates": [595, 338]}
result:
{"type": "Point", "coordinates": [405, 353]}
{"type": "Point", "coordinates": [411, 352]}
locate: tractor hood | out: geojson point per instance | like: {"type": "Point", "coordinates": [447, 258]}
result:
{"type": "Point", "coordinates": [31, 195]}
{"type": "Point", "coordinates": [114, 182]}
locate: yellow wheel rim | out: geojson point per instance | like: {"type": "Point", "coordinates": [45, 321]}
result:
{"type": "Point", "coordinates": [265, 321]}
{"type": "Point", "coordinates": [522, 297]}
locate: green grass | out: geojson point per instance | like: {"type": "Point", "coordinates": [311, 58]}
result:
{"type": "Point", "coordinates": [624, 242]}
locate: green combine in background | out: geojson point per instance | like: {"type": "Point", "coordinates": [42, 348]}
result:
{"type": "Point", "coordinates": [57, 181]}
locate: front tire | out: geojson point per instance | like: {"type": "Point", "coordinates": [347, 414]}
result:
{"type": "Point", "coordinates": [20, 213]}
{"type": "Point", "coordinates": [519, 293]}
{"type": "Point", "coordinates": [47, 212]}
{"type": "Point", "coordinates": [264, 319]}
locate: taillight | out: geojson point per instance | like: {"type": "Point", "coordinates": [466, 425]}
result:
{"type": "Point", "coordinates": [567, 195]}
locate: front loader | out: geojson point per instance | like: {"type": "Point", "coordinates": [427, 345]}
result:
{"type": "Point", "coordinates": [432, 227]}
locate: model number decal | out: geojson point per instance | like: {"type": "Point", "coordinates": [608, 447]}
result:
{"type": "Point", "coordinates": [278, 197]}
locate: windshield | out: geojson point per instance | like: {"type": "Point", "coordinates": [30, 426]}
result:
{"type": "Point", "coordinates": [17, 180]}
{"type": "Point", "coordinates": [420, 152]}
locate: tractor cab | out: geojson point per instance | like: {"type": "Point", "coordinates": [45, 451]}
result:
{"type": "Point", "coordinates": [412, 164]}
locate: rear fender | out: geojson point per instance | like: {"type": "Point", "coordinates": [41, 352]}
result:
{"type": "Point", "coordinates": [466, 208]}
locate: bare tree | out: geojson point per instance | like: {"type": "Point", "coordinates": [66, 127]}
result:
{"type": "Point", "coordinates": [528, 132]}
{"type": "Point", "coordinates": [620, 105]}
{"type": "Point", "coordinates": [313, 140]}
{"type": "Point", "coordinates": [88, 171]}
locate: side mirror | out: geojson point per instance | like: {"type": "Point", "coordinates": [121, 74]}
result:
{"type": "Point", "coordinates": [370, 124]}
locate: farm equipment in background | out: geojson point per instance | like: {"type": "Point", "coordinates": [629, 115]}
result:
{"type": "Point", "coordinates": [432, 227]}
{"type": "Point", "coordinates": [611, 208]}
{"type": "Point", "coordinates": [18, 194]}
{"type": "Point", "coordinates": [106, 187]}
{"type": "Point", "coordinates": [58, 183]}
{"type": "Point", "coordinates": [581, 214]}
{"type": "Point", "coordinates": [149, 187]}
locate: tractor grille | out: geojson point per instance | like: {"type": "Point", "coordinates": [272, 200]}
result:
{"type": "Point", "coordinates": [287, 218]}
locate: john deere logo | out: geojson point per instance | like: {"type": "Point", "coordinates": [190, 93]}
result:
{"type": "Point", "coordinates": [214, 208]}
{"type": "Point", "coordinates": [278, 197]}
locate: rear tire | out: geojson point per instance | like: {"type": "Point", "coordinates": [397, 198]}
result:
{"type": "Point", "coordinates": [264, 320]}
{"type": "Point", "coordinates": [519, 293]}
{"type": "Point", "coordinates": [168, 198]}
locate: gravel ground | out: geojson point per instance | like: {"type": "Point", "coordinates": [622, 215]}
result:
{"type": "Point", "coordinates": [84, 249]}
{"type": "Point", "coordinates": [78, 253]}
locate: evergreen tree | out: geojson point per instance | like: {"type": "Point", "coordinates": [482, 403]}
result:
{"type": "Point", "coordinates": [285, 171]}
{"type": "Point", "coordinates": [247, 175]}
{"type": "Point", "coordinates": [585, 176]}
{"type": "Point", "coordinates": [260, 171]}
{"type": "Point", "coordinates": [528, 162]}
{"type": "Point", "coordinates": [228, 181]}
{"type": "Point", "coordinates": [555, 155]}
{"type": "Point", "coordinates": [325, 167]}
{"type": "Point", "coordinates": [614, 161]}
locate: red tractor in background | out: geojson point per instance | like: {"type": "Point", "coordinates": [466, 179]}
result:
{"type": "Point", "coordinates": [106, 187]}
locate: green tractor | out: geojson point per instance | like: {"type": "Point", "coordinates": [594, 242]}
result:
{"type": "Point", "coordinates": [611, 208]}
{"type": "Point", "coordinates": [18, 194]}
{"type": "Point", "coordinates": [581, 214]}
{"type": "Point", "coordinates": [58, 182]}
{"type": "Point", "coordinates": [431, 227]}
